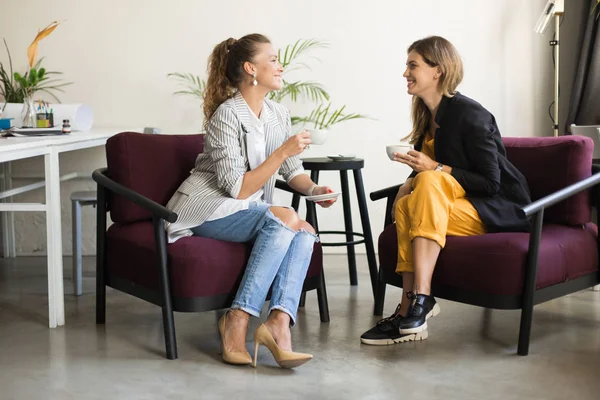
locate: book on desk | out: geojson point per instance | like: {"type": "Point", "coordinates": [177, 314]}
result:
{"type": "Point", "coordinates": [24, 132]}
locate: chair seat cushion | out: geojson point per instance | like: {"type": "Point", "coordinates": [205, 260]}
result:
{"type": "Point", "coordinates": [494, 263]}
{"type": "Point", "coordinates": [198, 266]}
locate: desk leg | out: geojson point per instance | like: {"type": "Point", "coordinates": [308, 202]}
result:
{"type": "Point", "coordinates": [12, 250]}
{"type": "Point", "coordinates": [366, 225]}
{"type": "Point", "coordinates": [56, 306]}
{"type": "Point", "coordinates": [8, 218]}
{"type": "Point", "coordinates": [4, 216]}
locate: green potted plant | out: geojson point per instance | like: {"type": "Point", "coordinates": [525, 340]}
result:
{"type": "Point", "coordinates": [37, 79]}
{"type": "Point", "coordinates": [9, 89]}
{"type": "Point", "coordinates": [21, 88]}
{"type": "Point", "coordinates": [319, 119]}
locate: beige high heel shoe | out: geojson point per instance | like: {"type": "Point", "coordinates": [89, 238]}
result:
{"type": "Point", "coordinates": [285, 359]}
{"type": "Point", "coordinates": [232, 357]}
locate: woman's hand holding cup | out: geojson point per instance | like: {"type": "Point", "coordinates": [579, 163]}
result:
{"type": "Point", "coordinates": [296, 144]}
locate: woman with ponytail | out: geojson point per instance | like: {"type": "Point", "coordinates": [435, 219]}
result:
{"type": "Point", "coordinates": [462, 184]}
{"type": "Point", "coordinates": [229, 195]}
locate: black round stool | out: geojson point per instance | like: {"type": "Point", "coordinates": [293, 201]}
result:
{"type": "Point", "coordinates": [316, 165]}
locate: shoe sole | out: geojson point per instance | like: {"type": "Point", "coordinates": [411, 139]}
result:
{"type": "Point", "coordinates": [435, 311]}
{"type": "Point", "coordinates": [293, 363]}
{"type": "Point", "coordinates": [408, 338]}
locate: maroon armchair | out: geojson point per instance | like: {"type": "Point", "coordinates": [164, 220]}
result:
{"type": "Point", "coordinates": [192, 274]}
{"type": "Point", "coordinates": [519, 270]}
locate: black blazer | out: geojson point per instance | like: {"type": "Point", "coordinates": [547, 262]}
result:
{"type": "Point", "coordinates": [468, 140]}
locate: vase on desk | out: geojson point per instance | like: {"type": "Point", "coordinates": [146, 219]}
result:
{"type": "Point", "coordinates": [28, 113]}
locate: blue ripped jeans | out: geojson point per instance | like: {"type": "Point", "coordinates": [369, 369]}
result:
{"type": "Point", "coordinates": [279, 259]}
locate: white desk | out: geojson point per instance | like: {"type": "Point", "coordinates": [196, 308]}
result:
{"type": "Point", "coordinates": [16, 148]}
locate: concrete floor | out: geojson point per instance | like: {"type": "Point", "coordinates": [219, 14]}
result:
{"type": "Point", "coordinates": [464, 357]}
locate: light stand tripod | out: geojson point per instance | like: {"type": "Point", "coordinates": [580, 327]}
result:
{"type": "Point", "coordinates": [553, 9]}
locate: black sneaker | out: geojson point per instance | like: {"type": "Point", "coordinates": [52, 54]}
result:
{"type": "Point", "coordinates": [422, 308]}
{"type": "Point", "coordinates": [387, 331]}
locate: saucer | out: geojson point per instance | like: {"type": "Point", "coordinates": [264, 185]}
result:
{"type": "Point", "coordinates": [323, 197]}
{"type": "Point", "coordinates": [341, 157]}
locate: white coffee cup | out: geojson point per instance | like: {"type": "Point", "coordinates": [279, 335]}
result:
{"type": "Point", "coordinates": [397, 148]}
{"type": "Point", "coordinates": [317, 136]}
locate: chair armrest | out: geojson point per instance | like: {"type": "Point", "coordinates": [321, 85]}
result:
{"type": "Point", "coordinates": [391, 191]}
{"type": "Point", "coordinates": [279, 184]}
{"type": "Point", "coordinates": [561, 195]}
{"type": "Point", "coordinates": [536, 210]}
{"type": "Point", "coordinates": [595, 191]}
{"type": "Point", "coordinates": [156, 209]}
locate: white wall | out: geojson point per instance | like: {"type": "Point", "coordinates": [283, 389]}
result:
{"type": "Point", "coordinates": [119, 52]}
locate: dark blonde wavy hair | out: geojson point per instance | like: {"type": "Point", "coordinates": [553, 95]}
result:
{"type": "Point", "coordinates": [436, 52]}
{"type": "Point", "coordinates": [226, 69]}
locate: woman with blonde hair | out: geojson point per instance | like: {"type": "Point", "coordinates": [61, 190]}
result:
{"type": "Point", "coordinates": [462, 183]}
{"type": "Point", "coordinates": [229, 194]}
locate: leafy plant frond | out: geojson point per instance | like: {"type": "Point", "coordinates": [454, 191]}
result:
{"type": "Point", "coordinates": [313, 91]}
{"type": "Point", "coordinates": [299, 120]}
{"type": "Point", "coordinates": [58, 87]}
{"type": "Point", "coordinates": [9, 57]}
{"type": "Point", "coordinates": [194, 85]}
{"type": "Point", "coordinates": [9, 89]}
{"type": "Point", "coordinates": [52, 94]}
{"type": "Point", "coordinates": [292, 52]}
{"type": "Point", "coordinates": [297, 66]}
{"type": "Point", "coordinates": [38, 79]}
{"type": "Point", "coordinates": [324, 117]}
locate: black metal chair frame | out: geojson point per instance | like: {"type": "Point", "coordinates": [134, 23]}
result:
{"type": "Point", "coordinates": [163, 298]}
{"type": "Point", "coordinates": [530, 296]}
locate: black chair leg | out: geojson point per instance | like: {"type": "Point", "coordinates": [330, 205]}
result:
{"type": "Point", "coordinates": [302, 300]}
{"type": "Point", "coordinates": [366, 226]}
{"type": "Point", "coordinates": [311, 218]}
{"type": "Point", "coordinates": [529, 283]}
{"type": "Point", "coordinates": [525, 332]}
{"type": "Point", "coordinates": [348, 227]}
{"type": "Point", "coordinates": [295, 202]}
{"type": "Point", "coordinates": [311, 209]}
{"type": "Point", "coordinates": [379, 295]}
{"type": "Point", "coordinates": [101, 256]}
{"type": "Point", "coordinates": [486, 322]}
{"type": "Point", "coordinates": [169, 329]}
{"type": "Point", "coordinates": [165, 292]}
{"type": "Point", "coordinates": [322, 300]}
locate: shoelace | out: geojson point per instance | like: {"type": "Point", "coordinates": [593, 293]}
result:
{"type": "Point", "coordinates": [414, 310]}
{"type": "Point", "coordinates": [387, 323]}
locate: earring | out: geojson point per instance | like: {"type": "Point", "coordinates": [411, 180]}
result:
{"type": "Point", "coordinates": [254, 82]}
